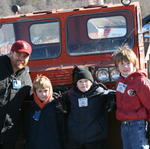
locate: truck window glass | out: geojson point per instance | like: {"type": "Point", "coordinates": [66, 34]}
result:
{"type": "Point", "coordinates": [97, 33]}
{"type": "Point", "coordinates": [46, 40]}
{"type": "Point", "coordinates": [107, 27]}
{"type": "Point", "coordinates": [7, 37]}
{"type": "Point", "coordinates": [44, 33]}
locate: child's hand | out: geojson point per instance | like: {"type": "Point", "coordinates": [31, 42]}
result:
{"type": "Point", "coordinates": [57, 95]}
{"type": "Point", "coordinates": [148, 131]}
{"type": "Point", "coordinates": [111, 101]}
{"type": "Point", "coordinates": [60, 107]}
{"type": "Point", "coordinates": [59, 103]}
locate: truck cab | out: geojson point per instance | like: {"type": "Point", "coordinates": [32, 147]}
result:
{"type": "Point", "coordinates": [86, 36]}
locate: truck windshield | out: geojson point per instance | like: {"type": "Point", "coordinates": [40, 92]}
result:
{"type": "Point", "coordinates": [96, 34]}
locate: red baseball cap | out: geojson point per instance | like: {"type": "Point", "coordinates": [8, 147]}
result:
{"type": "Point", "coordinates": [21, 46]}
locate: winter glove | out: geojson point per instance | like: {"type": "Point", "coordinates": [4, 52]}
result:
{"type": "Point", "coordinates": [57, 95]}
{"type": "Point", "coordinates": [8, 124]}
{"type": "Point", "coordinates": [148, 131]}
{"type": "Point", "coordinates": [59, 104]}
{"type": "Point", "coordinates": [111, 101]}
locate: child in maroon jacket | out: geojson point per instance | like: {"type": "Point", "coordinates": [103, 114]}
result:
{"type": "Point", "coordinates": [132, 99]}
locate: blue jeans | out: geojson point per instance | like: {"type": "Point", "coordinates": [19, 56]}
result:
{"type": "Point", "coordinates": [133, 134]}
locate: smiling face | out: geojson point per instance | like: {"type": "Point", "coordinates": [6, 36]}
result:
{"type": "Point", "coordinates": [84, 85]}
{"type": "Point", "coordinates": [43, 93]}
{"type": "Point", "coordinates": [126, 68]}
{"type": "Point", "coordinates": [18, 60]}
{"type": "Point", "coordinates": [126, 61]}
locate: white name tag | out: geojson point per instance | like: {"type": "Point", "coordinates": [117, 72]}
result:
{"type": "Point", "coordinates": [121, 87]}
{"type": "Point", "coordinates": [83, 102]}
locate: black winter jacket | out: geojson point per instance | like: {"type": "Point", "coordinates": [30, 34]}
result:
{"type": "Point", "coordinates": [44, 127]}
{"type": "Point", "coordinates": [11, 99]}
{"type": "Point", "coordinates": [88, 123]}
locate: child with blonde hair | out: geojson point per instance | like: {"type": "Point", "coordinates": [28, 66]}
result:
{"type": "Point", "coordinates": [132, 100]}
{"type": "Point", "coordinates": [43, 130]}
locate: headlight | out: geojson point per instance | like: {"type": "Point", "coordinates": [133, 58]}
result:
{"type": "Point", "coordinates": [114, 74]}
{"type": "Point", "coordinates": [102, 74]}
{"type": "Point", "coordinates": [126, 2]}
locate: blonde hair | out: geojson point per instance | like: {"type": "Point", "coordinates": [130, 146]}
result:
{"type": "Point", "coordinates": [125, 54]}
{"type": "Point", "coordinates": [42, 81]}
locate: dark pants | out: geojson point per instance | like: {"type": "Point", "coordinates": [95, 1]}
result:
{"type": "Point", "coordinates": [91, 145]}
{"type": "Point", "coordinates": [7, 146]}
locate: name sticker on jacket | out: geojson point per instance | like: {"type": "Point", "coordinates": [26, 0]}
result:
{"type": "Point", "coordinates": [16, 84]}
{"type": "Point", "coordinates": [36, 115]}
{"type": "Point", "coordinates": [83, 102]}
{"type": "Point", "coordinates": [121, 87]}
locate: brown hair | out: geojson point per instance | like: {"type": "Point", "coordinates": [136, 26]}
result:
{"type": "Point", "coordinates": [125, 54]}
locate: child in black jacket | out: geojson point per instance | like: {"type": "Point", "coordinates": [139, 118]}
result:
{"type": "Point", "coordinates": [44, 129]}
{"type": "Point", "coordinates": [87, 114]}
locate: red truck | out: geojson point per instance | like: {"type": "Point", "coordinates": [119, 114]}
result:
{"type": "Point", "coordinates": [84, 36]}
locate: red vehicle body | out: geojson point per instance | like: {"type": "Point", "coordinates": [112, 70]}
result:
{"type": "Point", "coordinates": [85, 36]}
